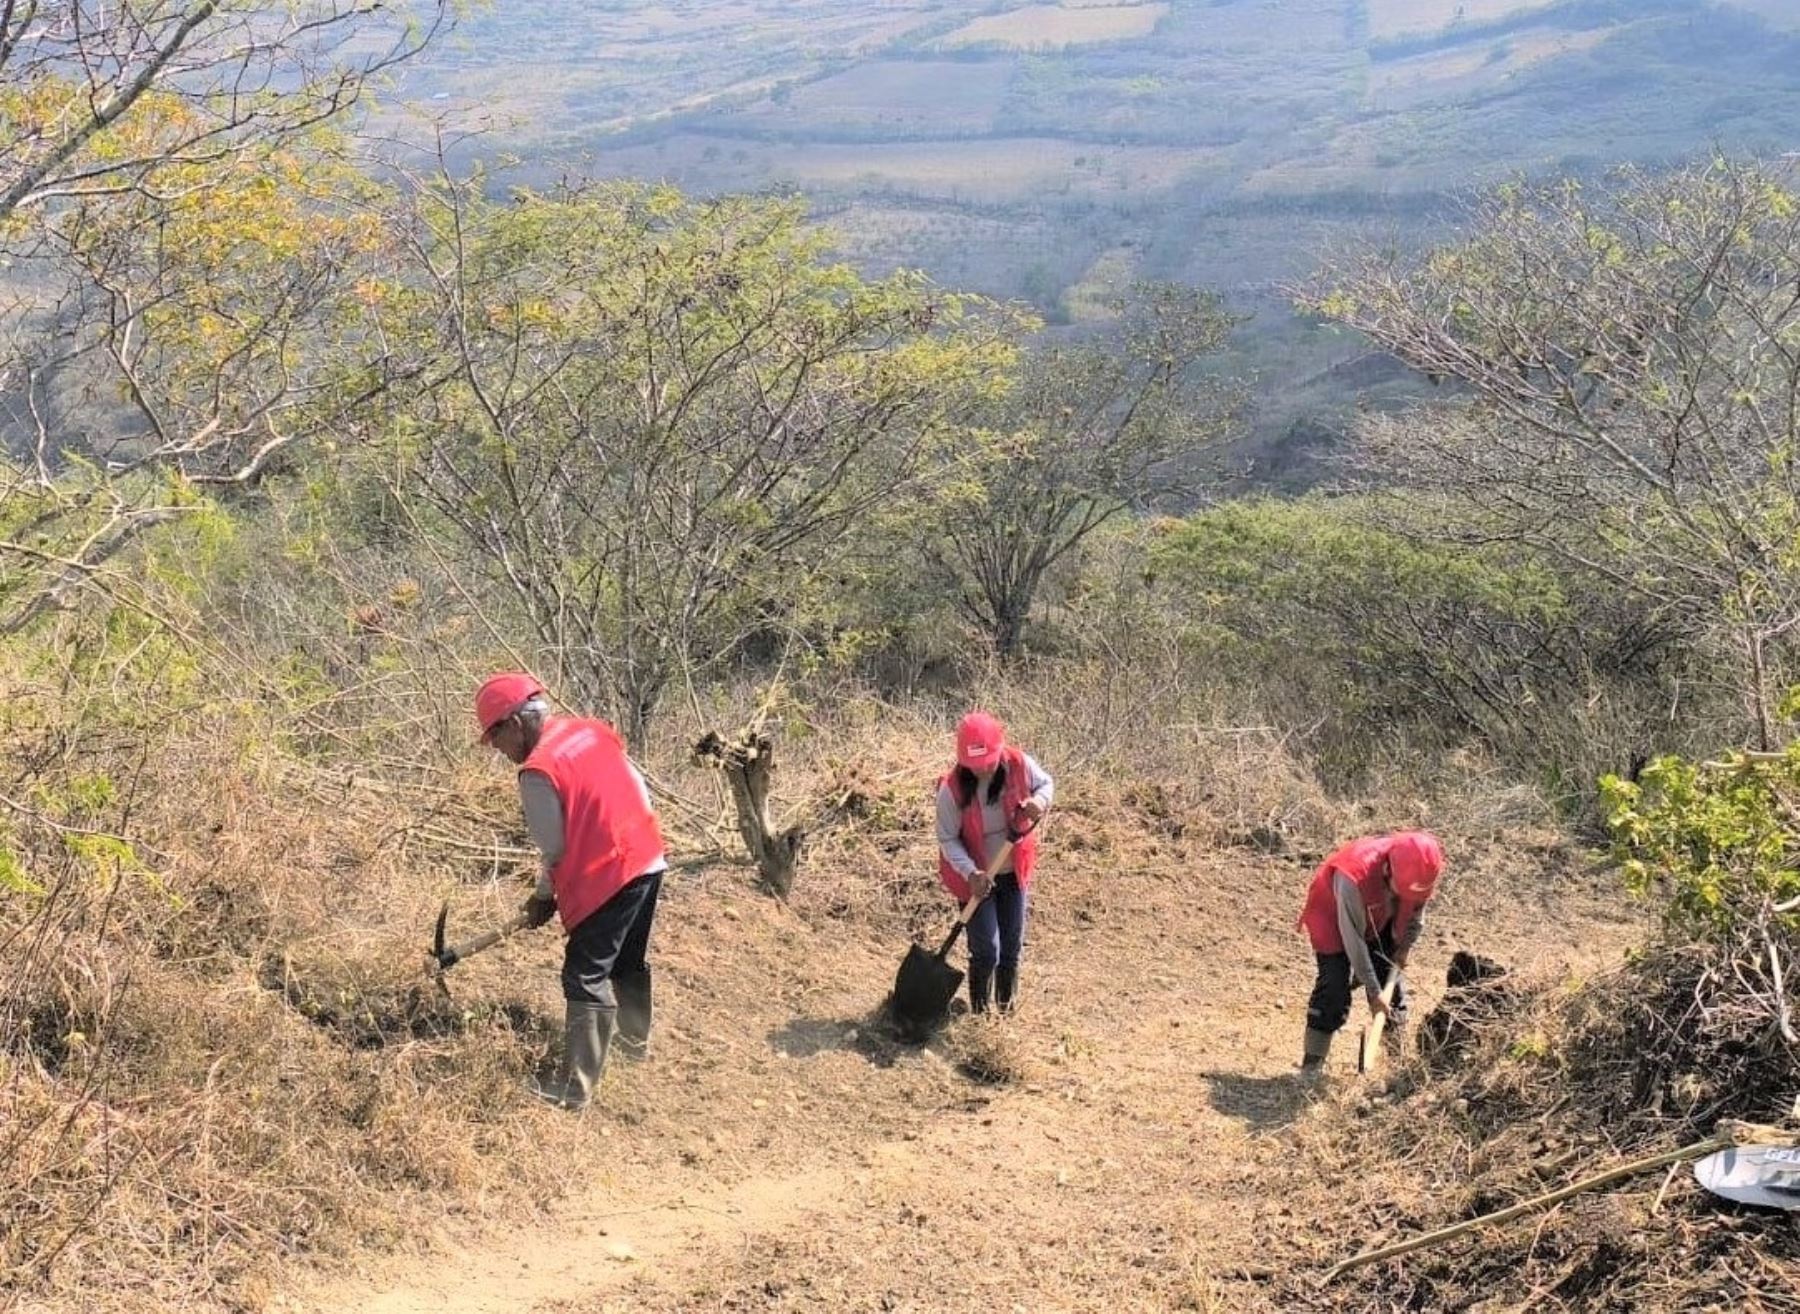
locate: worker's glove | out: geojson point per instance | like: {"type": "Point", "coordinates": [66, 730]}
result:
{"type": "Point", "coordinates": [539, 909]}
{"type": "Point", "coordinates": [980, 885]}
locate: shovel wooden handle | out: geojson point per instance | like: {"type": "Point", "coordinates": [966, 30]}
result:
{"type": "Point", "coordinates": [1371, 1041]}
{"type": "Point", "coordinates": [992, 870]}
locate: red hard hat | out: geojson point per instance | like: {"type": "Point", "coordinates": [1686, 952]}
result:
{"type": "Point", "coordinates": [979, 741]}
{"type": "Point", "coordinates": [500, 696]}
{"type": "Point", "coordinates": [1417, 860]}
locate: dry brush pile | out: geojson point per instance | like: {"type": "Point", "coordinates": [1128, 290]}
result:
{"type": "Point", "coordinates": [1523, 1088]}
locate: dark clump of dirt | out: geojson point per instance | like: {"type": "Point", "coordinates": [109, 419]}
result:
{"type": "Point", "coordinates": [1477, 995]}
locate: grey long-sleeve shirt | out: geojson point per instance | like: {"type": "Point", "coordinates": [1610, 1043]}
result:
{"type": "Point", "coordinates": [993, 819]}
{"type": "Point", "coordinates": [544, 823]}
{"type": "Point", "coordinates": [1353, 927]}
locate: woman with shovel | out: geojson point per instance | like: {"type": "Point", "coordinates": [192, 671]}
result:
{"type": "Point", "coordinates": [992, 794]}
{"type": "Point", "coordinates": [1363, 914]}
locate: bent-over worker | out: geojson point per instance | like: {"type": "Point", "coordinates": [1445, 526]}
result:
{"type": "Point", "coordinates": [1363, 913]}
{"type": "Point", "coordinates": [992, 794]}
{"type": "Point", "coordinates": [589, 813]}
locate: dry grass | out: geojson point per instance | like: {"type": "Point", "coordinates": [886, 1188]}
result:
{"type": "Point", "coordinates": [1053, 27]}
{"type": "Point", "coordinates": [221, 1051]}
{"type": "Point", "coordinates": [989, 1051]}
{"type": "Point", "coordinates": [1549, 1085]}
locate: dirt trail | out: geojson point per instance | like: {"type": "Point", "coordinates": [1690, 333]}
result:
{"type": "Point", "coordinates": [789, 1162]}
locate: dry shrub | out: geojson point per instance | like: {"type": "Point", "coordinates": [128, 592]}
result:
{"type": "Point", "coordinates": [1555, 1084]}
{"type": "Point", "coordinates": [218, 1048]}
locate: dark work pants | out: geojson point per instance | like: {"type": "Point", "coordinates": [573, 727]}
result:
{"type": "Point", "coordinates": [613, 945]}
{"type": "Point", "coordinates": [997, 930]}
{"type": "Point", "coordinates": [1329, 1008]}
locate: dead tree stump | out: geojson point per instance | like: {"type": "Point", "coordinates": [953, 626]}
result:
{"type": "Point", "coordinates": [748, 762]}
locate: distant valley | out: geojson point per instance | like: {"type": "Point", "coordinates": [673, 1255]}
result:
{"type": "Point", "coordinates": [1055, 152]}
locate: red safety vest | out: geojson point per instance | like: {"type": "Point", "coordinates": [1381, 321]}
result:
{"type": "Point", "coordinates": [1364, 861]}
{"type": "Point", "coordinates": [1013, 795]}
{"type": "Point", "coordinates": [610, 836]}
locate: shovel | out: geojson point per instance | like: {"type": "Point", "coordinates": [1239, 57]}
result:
{"type": "Point", "coordinates": [445, 957]}
{"type": "Point", "coordinates": [925, 984]}
{"type": "Point", "coordinates": [1370, 1052]}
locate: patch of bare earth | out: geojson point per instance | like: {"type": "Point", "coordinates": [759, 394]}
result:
{"type": "Point", "coordinates": [1119, 1146]}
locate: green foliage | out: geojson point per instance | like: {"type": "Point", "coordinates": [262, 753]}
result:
{"type": "Point", "coordinates": [1379, 624]}
{"type": "Point", "coordinates": [14, 879]}
{"type": "Point", "coordinates": [1719, 840]}
{"type": "Point", "coordinates": [1348, 617]}
{"type": "Point", "coordinates": [651, 421]}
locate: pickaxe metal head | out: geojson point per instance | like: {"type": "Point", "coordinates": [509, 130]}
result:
{"type": "Point", "coordinates": [446, 957]}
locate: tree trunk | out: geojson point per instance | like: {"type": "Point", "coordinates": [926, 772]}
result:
{"type": "Point", "coordinates": [749, 763]}
{"type": "Point", "coordinates": [1009, 627]}
{"type": "Point", "coordinates": [640, 691]}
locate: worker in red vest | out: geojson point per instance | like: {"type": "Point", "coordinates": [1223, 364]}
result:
{"type": "Point", "coordinates": [993, 793]}
{"type": "Point", "coordinates": [1363, 913]}
{"type": "Point", "coordinates": [589, 813]}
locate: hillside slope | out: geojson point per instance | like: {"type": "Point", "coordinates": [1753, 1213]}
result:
{"type": "Point", "coordinates": [779, 1153]}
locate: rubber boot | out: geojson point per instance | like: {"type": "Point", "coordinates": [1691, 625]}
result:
{"type": "Point", "coordinates": [587, 1036]}
{"type": "Point", "coordinates": [635, 1012]}
{"type": "Point", "coordinates": [981, 984]}
{"type": "Point", "coordinates": [1006, 987]}
{"type": "Point", "coordinates": [1313, 1054]}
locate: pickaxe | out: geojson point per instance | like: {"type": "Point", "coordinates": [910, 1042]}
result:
{"type": "Point", "coordinates": [447, 956]}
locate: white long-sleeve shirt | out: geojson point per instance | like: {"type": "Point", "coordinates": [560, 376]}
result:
{"type": "Point", "coordinates": [993, 819]}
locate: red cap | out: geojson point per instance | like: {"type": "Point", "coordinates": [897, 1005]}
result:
{"type": "Point", "coordinates": [979, 741]}
{"type": "Point", "coordinates": [1416, 859]}
{"type": "Point", "coordinates": [500, 696]}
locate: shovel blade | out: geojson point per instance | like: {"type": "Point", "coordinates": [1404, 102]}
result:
{"type": "Point", "coordinates": [923, 989]}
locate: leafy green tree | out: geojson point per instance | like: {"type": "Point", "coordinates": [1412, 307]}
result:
{"type": "Point", "coordinates": [653, 424]}
{"type": "Point", "coordinates": [1088, 432]}
{"type": "Point", "coordinates": [1628, 361]}
{"type": "Point", "coordinates": [194, 340]}
{"type": "Point", "coordinates": [220, 77]}
{"type": "Point", "coordinates": [179, 238]}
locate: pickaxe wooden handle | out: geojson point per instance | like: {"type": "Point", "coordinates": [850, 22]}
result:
{"type": "Point", "coordinates": [1371, 1041]}
{"type": "Point", "coordinates": [447, 957]}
